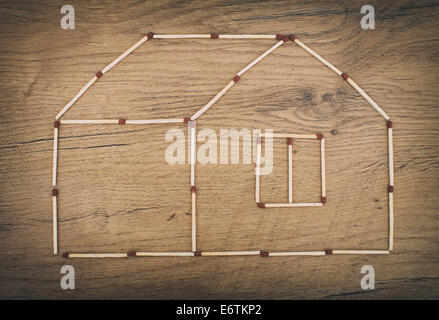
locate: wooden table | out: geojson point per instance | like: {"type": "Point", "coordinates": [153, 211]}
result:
{"type": "Point", "coordinates": [117, 193]}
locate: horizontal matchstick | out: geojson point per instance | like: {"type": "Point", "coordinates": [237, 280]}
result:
{"type": "Point", "coordinates": [262, 56]}
{"type": "Point", "coordinates": [285, 205]}
{"type": "Point", "coordinates": [286, 135]}
{"type": "Point", "coordinates": [118, 121]}
{"type": "Point", "coordinates": [94, 255]}
{"type": "Point", "coordinates": [153, 121]}
{"type": "Point", "coordinates": [367, 98]}
{"type": "Point", "coordinates": [125, 54]}
{"type": "Point", "coordinates": [76, 97]}
{"type": "Point", "coordinates": [297, 253]}
{"type": "Point", "coordinates": [182, 36]}
{"type": "Point", "coordinates": [360, 252]}
{"type": "Point", "coordinates": [317, 56]}
{"type": "Point", "coordinates": [230, 253]}
{"type": "Point", "coordinates": [247, 36]}
{"type": "Point", "coordinates": [161, 254]}
{"type": "Point", "coordinates": [213, 100]}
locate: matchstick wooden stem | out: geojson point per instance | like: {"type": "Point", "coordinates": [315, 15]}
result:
{"type": "Point", "coordinates": [230, 253]}
{"type": "Point", "coordinates": [182, 36]}
{"type": "Point", "coordinates": [194, 221]}
{"type": "Point", "coordinates": [154, 121]}
{"type": "Point", "coordinates": [76, 97]}
{"type": "Point", "coordinates": [286, 135]}
{"type": "Point", "coordinates": [116, 121]}
{"type": "Point", "coordinates": [390, 145]}
{"type": "Point", "coordinates": [125, 54]}
{"type": "Point", "coordinates": [247, 36]}
{"type": "Point", "coordinates": [258, 165]}
{"type": "Point", "coordinates": [55, 224]}
{"type": "Point", "coordinates": [97, 255]}
{"type": "Point", "coordinates": [55, 156]}
{"type": "Point", "coordinates": [290, 173]}
{"type": "Point", "coordinates": [360, 252]}
{"type": "Point", "coordinates": [193, 141]}
{"type": "Point", "coordinates": [262, 56]}
{"type": "Point", "coordinates": [297, 253]}
{"type": "Point", "coordinates": [104, 121]}
{"type": "Point", "coordinates": [322, 166]}
{"type": "Point", "coordinates": [367, 98]}
{"type": "Point", "coordinates": [164, 254]}
{"type": "Point", "coordinates": [213, 101]}
{"type": "Point", "coordinates": [390, 221]}
{"type": "Point", "coordinates": [318, 57]}
{"type": "Point", "coordinates": [286, 205]}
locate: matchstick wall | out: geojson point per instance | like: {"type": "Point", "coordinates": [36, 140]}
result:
{"type": "Point", "coordinates": [191, 123]}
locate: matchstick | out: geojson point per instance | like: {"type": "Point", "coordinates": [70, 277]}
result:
{"type": "Point", "coordinates": [247, 36]}
{"type": "Point", "coordinates": [286, 135]}
{"type": "Point", "coordinates": [323, 169]}
{"type": "Point", "coordinates": [94, 255]}
{"type": "Point", "coordinates": [366, 97]}
{"type": "Point", "coordinates": [390, 145]}
{"type": "Point", "coordinates": [213, 100]}
{"type": "Point", "coordinates": [194, 218]}
{"type": "Point", "coordinates": [55, 151]}
{"type": "Point", "coordinates": [286, 205]}
{"type": "Point", "coordinates": [290, 170]}
{"type": "Point", "coordinates": [105, 121]}
{"type": "Point", "coordinates": [230, 253]}
{"type": "Point", "coordinates": [193, 141]}
{"type": "Point", "coordinates": [154, 121]}
{"type": "Point", "coordinates": [316, 55]}
{"type": "Point", "coordinates": [160, 254]}
{"type": "Point", "coordinates": [297, 253]}
{"type": "Point", "coordinates": [258, 164]}
{"type": "Point", "coordinates": [127, 52]}
{"type": "Point", "coordinates": [360, 252]}
{"type": "Point", "coordinates": [262, 56]}
{"type": "Point", "coordinates": [76, 97]}
{"type": "Point", "coordinates": [55, 220]}
{"type": "Point", "coordinates": [182, 36]}
{"type": "Point", "coordinates": [391, 221]}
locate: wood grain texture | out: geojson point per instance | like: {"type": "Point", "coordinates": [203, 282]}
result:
{"type": "Point", "coordinates": [116, 192]}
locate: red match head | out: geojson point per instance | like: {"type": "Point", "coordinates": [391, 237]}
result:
{"type": "Point", "coordinates": [99, 74]}
{"type": "Point", "coordinates": [55, 192]}
{"type": "Point", "coordinates": [345, 76]}
{"type": "Point", "coordinates": [323, 200]}
{"type": "Point", "coordinates": [285, 38]}
{"type": "Point", "coordinates": [264, 253]}
{"type": "Point", "coordinates": [261, 205]}
{"type": "Point", "coordinates": [122, 121]}
{"type": "Point", "coordinates": [328, 251]}
{"type": "Point", "coordinates": [56, 124]}
{"type": "Point", "coordinates": [150, 35]}
{"type": "Point", "coordinates": [389, 124]}
{"type": "Point", "coordinates": [292, 37]}
{"type": "Point", "coordinates": [194, 189]}
{"type": "Point", "coordinates": [197, 253]}
{"type": "Point", "coordinates": [319, 136]}
{"type": "Point", "coordinates": [132, 253]}
{"type": "Point", "coordinates": [279, 37]}
{"type": "Point", "coordinates": [290, 141]}
{"type": "Point", "coordinates": [65, 255]}
{"type": "Point", "coordinates": [186, 120]}
{"type": "Point", "coordinates": [213, 36]}
{"type": "Point", "coordinates": [236, 78]}
{"type": "Point", "coordinates": [390, 189]}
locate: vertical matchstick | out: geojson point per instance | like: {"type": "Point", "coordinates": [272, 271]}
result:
{"type": "Point", "coordinates": [55, 151]}
{"type": "Point", "coordinates": [193, 142]}
{"type": "Point", "coordinates": [55, 220]}
{"type": "Point", "coordinates": [323, 168]}
{"type": "Point", "coordinates": [290, 170]}
{"type": "Point", "coordinates": [390, 188]}
{"type": "Point", "coordinates": [258, 164]}
{"type": "Point", "coordinates": [194, 218]}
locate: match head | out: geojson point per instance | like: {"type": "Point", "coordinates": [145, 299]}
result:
{"type": "Point", "coordinates": [292, 37]}
{"type": "Point", "coordinates": [213, 36]}
{"type": "Point", "coordinates": [290, 141]}
{"type": "Point", "coordinates": [345, 76]}
{"type": "Point", "coordinates": [131, 254]}
{"type": "Point", "coordinates": [56, 124]}
{"type": "Point", "coordinates": [186, 120]}
{"type": "Point", "coordinates": [323, 200]}
{"type": "Point", "coordinates": [264, 253]}
{"type": "Point", "coordinates": [285, 38]}
{"type": "Point", "coordinates": [261, 205]}
{"type": "Point", "coordinates": [279, 37]}
{"type": "Point", "coordinates": [197, 253]}
{"type": "Point", "coordinates": [55, 192]}
{"type": "Point", "coordinates": [319, 136]}
{"type": "Point", "coordinates": [236, 78]}
{"type": "Point", "coordinates": [65, 255]}
{"type": "Point", "coordinates": [328, 251]}
{"type": "Point", "coordinates": [122, 121]}
{"type": "Point", "coordinates": [389, 124]}
{"type": "Point", "coordinates": [150, 35]}
{"type": "Point", "coordinates": [99, 74]}
{"type": "Point", "coordinates": [194, 189]}
{"type": "Point", "coordinates": [390, 189]}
